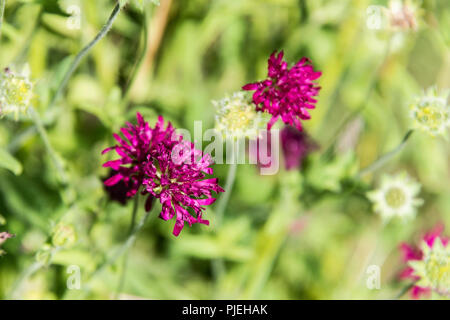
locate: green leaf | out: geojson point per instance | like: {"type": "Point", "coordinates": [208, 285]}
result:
{"type": "Point", "coordinates": [7, 161]}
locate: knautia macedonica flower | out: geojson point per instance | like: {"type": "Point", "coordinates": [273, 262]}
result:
{"type": "Point", "coordinates": [16, 92]}
{"type": "Point", "coordinates": [3, 237]}
{"type": "Point", "coordinates": [428, 264]}
{"type": "Point", "coordinates": [431, 112]}
{"type": "Point", "coordinates": [158, 162]}
{"type": "Point", "coordinates": [236, 117]}
{"type": "Point", "coordinates": [288, 92]}
{"type": "Point", "coordinates": [296, 146]}
{"type": "Point", "coordinates": [396, 197]}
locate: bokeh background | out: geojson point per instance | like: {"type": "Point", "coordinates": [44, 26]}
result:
{"type": "Point", "coordinates": [302, 234]}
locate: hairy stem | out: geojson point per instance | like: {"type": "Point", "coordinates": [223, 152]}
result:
{"type": "Point", "coordinates": [84, 52]}
{"type": "Point", "coordinates": [218, 265]}
{"type": "Point", "coordinates": [125, 258]}
{"type": "Point", "coordinates": [54, 156]}
{"type": "Point", "coordinates": [141, 57]}
{"type": "Point", "coordinates": [120, 252]}
{"type": "Point", "coordinates": [364, 103]}
{"type": "Point", "coordinates": [386, 157]}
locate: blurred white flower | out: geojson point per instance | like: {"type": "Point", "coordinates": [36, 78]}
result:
{"type": "Point", "coordinates": [431, 112]}
{"type": "Point", "coordinates": [236, 116]}
{"type": "Point", "coordinates": [433, 270]}
{"type": "Point", "coordinates": [396, 197]}
{"type": "Point", "coordinates": [16, 92]}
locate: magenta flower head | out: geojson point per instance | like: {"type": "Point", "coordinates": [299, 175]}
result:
{"type": "Point", "coordinates": [167, 168]}
{"type": "Point", "coordinates": [428, 264]}
{"type": "Point", "coordinates": [296, 146]}
{"type": "Point", "coordinates": [288, 92]}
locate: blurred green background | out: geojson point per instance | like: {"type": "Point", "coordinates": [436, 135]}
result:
{"type": "Point", "coordinates": [295, 235]}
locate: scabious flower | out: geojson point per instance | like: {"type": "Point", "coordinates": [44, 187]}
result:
{"type": "Point", "coordinates": [431, 112]}
{"type": "Point", "coordinates": [396, 197]}
{"type": "Point", "coordinates": [428, 264]}
{"type": "Point", "coordinates": [288, 92]}
{"type": "Point", "coordinates": [159, 163]}
{"type": "Point", "coordinates": [3, 237]}
{"type": "Point", "coordinates": [296, 146]}
{"type": "Point", "coordinates": [16, 92]}
{"type": "Point", "coordinates": [236, 117]}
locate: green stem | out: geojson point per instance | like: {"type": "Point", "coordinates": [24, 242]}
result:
{"type": "Point", "coordinates": [121, 251]}
{"type": "Point", "coordinates": [218, 265]}
{"type": "Point", "coordinates": [2, 12]}
{"type": "Point", "coordinates": [140, 59]}
{"type": "Point", "coordinates": [223, 201]}
{"type": "Point", "coordinates": [125, 258]}
{"type": "Point", "coordinates": [54, 156]}
{"type": "Point", "coordinates": [386, 157]}
{"type": "Point", "coordinates": [84, 52]}
{"type": "Point", "coordinates": [404, 290]}
{"type": "Point", "coordinates": [364, 103]}
{"type": "Point", "coordinates": [27, 273]}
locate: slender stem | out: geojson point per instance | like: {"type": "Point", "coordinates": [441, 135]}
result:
{"type": "Point", "coordinates": [364, 103]}
{"type": "Point", "coordinates": [32, 269]}
{"type": "Point", "coordinates": [125, 258]}
{"type": "Point", "coordinates": [223, 201]}
{"type": "Point", "coordinates": [121, 251]}
{"type": "Point", "coordinates": [27, 273]}
{"type": "Point", "coordinates": [2, 12]}
{"type": "Point", "coordinates": [54, 156]}
{"type": "Point", "coordinates": [404, 290]}
{"type": "Point", "coordinates": [386, 157]}
{"type": "Point", "coordinates": [140, 59]}
{"type": "Point", "coordinates": [218, 265]}
{"type": "Point", "coordinates": [84, 52]}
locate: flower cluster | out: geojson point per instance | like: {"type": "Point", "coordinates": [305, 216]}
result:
{"type": "Point", "coordinates": [431, 112]}
{"type": "Point", "coordinates": [428, 264]}
{"type": "Point", "coordinates": [166, 168]}
{"type": "Point", "coordinates": [236, 117]}
{"type": "Point", "coordinates": [396, 197]}
{"type": "Point", "coordinates": [16, 92]}
{"type": "Point", "coordinates": [288, 92]}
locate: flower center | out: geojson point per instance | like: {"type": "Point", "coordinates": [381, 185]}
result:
{"type": "Point", "coordinates": [395, 197]}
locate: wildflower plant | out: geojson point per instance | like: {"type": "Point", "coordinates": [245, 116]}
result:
{"type": "Point", "coordinates": [396, 197]}
{"type": "Point", "coordinates": [60, 194]}
{"type": "Point", "coordinates": [428, 264]}
{"type": "Point", "coordinates": [158, 163]}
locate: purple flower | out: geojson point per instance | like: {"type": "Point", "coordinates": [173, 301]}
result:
{"type": "Point", "coordinates": [168, 168]}
{"type": "Point", "coordinates": [287, 93]}
{"type": "Point", "coordinates": [296, 145]}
